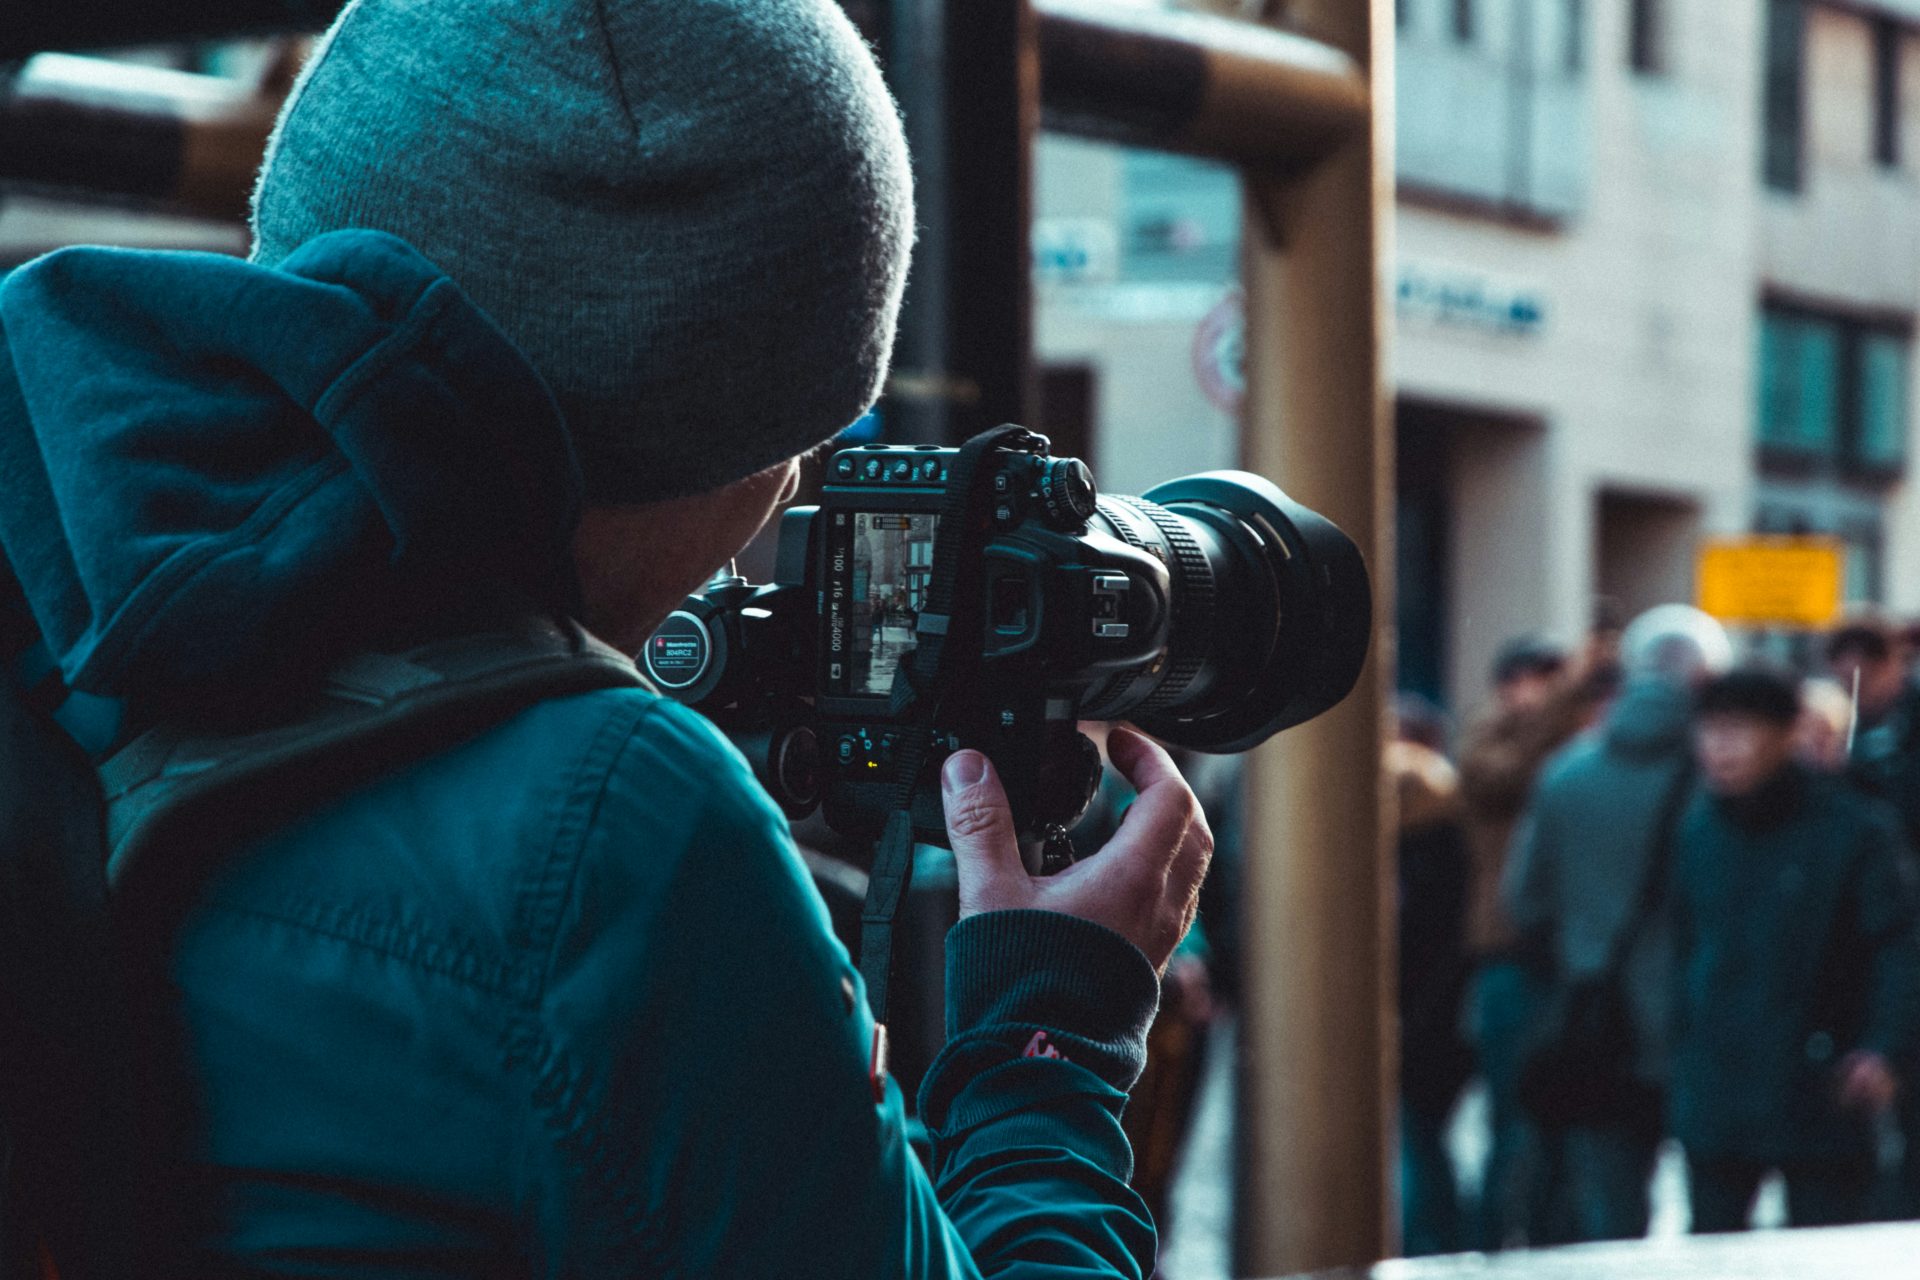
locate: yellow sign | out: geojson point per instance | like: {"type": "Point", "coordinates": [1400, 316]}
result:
{"type": "Point", "coordinates": [1773, 581]}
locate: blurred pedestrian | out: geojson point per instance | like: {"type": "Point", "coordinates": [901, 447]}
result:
{"type": "Point", "coordinates": [1874, 653]}
{"type": "Point", "coordinates": [1586, 890]}
{"type": "Point", "coordinates": [1798, 968]}
{"type": "Point", "coordinates": [1539, 703]}
{"type": "Point", "coordinates": [1435, 1061]}
{"type": "Point", "coordinates": [1826, 722]}
{"type": "Point", "coordinates": [1869, 653]}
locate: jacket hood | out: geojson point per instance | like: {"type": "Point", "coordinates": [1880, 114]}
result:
{"type": "Point", "coordinates": [1652, 717]}
{"type": "Point", "coordinates": [210, 470]}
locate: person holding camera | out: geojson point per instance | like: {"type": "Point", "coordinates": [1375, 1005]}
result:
{"type": "Point", "coordinates": [546, 299]}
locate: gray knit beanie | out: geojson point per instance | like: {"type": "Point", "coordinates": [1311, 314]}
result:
{"type": "Point", "coordinates": [692, 215]}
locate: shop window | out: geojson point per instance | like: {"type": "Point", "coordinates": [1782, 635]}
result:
{"type": "Point", "coordinates": [1782, 98]}
{"type": "Point", "coordinates": [1865, 560]}
{"type": "Point", "coordinates": [1824, 509]}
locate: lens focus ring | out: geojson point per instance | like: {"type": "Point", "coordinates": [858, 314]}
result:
{"type": "Point", "coordinates": [1192, 606]}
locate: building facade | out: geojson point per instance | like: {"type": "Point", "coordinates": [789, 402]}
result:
{"type": "Point", "coordinates": [1656, 271]}
{"type": "Point", "coordinates": [1719, 313]}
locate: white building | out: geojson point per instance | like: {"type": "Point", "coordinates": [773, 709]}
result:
{"type": "Point", "coordinates": [1657, 267]}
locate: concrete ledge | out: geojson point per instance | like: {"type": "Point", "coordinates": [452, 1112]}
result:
{"type": "Point", "coordinates": [1839, 1253]}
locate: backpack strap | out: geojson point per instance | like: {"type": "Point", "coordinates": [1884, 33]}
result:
{"type": "Point", "coordinates": [1655, 876]}
{"type": "Point", "coordinates": [373, 714]}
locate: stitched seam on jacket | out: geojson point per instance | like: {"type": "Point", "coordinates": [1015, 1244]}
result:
{"type": "Point", "coordinates": [579, 1132]}
{"type": "Point", "coordinates": [544, 899]}
{"type": "Point", "coordinates": [560, 1091]}
{"type": "Point", "coordinates": [337, 400]}
{"type": "Point", "coordinates": [389, 938]}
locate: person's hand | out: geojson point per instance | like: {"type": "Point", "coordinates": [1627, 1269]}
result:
{"type": "Point", "coordinates": [1867, 1082]}
{"type": "Point", "coordinates": [1144, 885]}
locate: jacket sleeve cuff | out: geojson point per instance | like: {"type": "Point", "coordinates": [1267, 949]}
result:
{"type": "Point", "coordinates": [1042, 985]}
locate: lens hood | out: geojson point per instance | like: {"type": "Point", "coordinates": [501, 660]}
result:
{"type": "Point", "coordinates": [1319, 605]}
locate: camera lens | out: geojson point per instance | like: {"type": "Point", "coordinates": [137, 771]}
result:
{"type": "Point", "coordinates": [1270, 605]}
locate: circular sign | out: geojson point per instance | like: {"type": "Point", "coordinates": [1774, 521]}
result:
{"type": "Point", "coordinates": [1220, 352]}
{"type": "Point", "coordinates": [678, 654]}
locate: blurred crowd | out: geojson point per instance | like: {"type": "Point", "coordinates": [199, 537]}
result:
{"type": "Point", "coordinates": [1660, 895]}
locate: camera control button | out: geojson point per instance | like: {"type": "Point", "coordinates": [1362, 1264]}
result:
{"type": "Point", "coordinates": [1067, 493]}
{"type": "Point", "coordinates": [844, 467]}
{"type": "Point", "coordinates": [871, 469]}
{"type": "Point", "coordinates": [930, 471]}
{"type": "Point", "coordinates": [848, 748]}
{"type": "Point", "coordinates": [900, 469]}
{"type": "Point", "coordinates": [1111, 630]}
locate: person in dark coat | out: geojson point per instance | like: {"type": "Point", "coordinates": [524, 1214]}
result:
{"type": "Point", "coordinates": [1798, 979]}
{"type": "Point", "coordinates": [1885, 762]}
{"type": "Point", "coordinates": [1575, 880]}
{"type": "Point", "coordinates": [1538, 704]}
{"type": "Point", "coordinates": [1873, 654]}
{"type": "Point", "coordinates": [1435, 1060]}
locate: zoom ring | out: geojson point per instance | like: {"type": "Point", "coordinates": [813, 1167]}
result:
{"type": "Point", "coordinates": [1193, 605]}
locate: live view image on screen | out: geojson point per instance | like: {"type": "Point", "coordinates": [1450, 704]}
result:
{"type": "Point", "coordinates": [892, 562]}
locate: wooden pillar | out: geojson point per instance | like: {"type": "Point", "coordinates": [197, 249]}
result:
{"type": "Point", "coordinates": [1320, 1062]}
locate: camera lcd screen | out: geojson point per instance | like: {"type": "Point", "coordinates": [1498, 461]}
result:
{"type": "Point", "coordinates": [881, 562]}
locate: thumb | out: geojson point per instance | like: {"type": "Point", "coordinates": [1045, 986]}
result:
{"type": "Point", "coordinates": [986, 852]}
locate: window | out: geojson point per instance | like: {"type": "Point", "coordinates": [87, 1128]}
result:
{"type": "Point", "coordinates": [1833, 393]}
{"type": "Point", "coordinates": [1573, 47]}
{"type": "Point", "coordinates": [1645, 51]}
{"type": "Point", "coordinates": [1880, 401]}
{"type": "Point", "coordinates": [1781, 99]}
{"type": "Point", "coordinates": [1463, 20]}
{"type": "Point", "coordinates": [1799, 377]}
{"type": "Point", "coordinates": [1886, 93]}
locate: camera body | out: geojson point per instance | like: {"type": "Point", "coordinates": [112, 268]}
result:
{"type": "Point", "coordinates": [1211, 612]}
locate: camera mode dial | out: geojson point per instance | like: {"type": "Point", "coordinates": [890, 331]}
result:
{"type": "Point", "coordinates": [1067, 494]}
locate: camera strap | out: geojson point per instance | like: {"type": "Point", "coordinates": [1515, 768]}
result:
{"type": "Point", "coordinates": [923, 677]}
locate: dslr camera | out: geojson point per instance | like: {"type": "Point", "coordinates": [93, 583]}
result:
{"type": "Point", "coordinates": [1212, 612]}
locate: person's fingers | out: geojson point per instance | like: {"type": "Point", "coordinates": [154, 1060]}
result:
{"type": "Point", "coordinates": [1140, 760]}
{"type": "Point", "coordinates": [986, 851]}
{"type": "Point", "coordinates": [1157, 822]}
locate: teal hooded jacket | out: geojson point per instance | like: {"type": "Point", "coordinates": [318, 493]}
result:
{"type": "Point", "coordinates": [558, 1000]}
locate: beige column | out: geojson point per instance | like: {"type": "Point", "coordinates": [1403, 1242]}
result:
{"type": "Point", "coordinates": [1319, 1037]}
